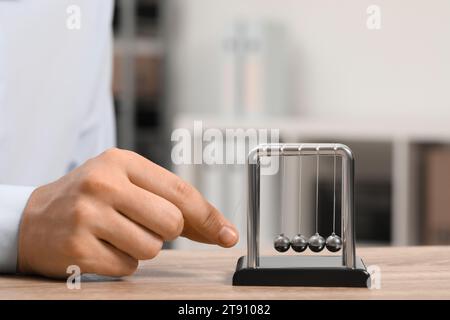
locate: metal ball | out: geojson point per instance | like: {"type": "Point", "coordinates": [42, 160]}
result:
{"type": "Point", "coordinates": [334, 243]}
{"type": "Point", "coordinates": [316, 243]}
{"type": "Point", "coordinates": [299, 243]}
{"type": "Point", "coordinates": [282, 243]}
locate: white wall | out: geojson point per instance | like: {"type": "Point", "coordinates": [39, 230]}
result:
{"type": "Point", "coordinates": [338, 66]}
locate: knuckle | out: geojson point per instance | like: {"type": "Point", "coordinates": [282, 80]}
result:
{"type": "Point", "coordinates": [117, 157]}
{"type": "Point", "coordinates": [211, 219]}
{"type": "Point", "coordinates": [90, 181]}
{"type": "Point", "coordinates": [81, 213]}
{"type": "Point", "coordinates": [94, 182]}
{"type": "Point", "coordinates": [152, 250]}
{"type": "Point", "coordinates": [183, 189]}
{"type": "Point", "coordinates": [175, 224]}
{"type": "Point", "coordinates": [74, 248]}
{"type": "Point", "coordinates": [112, 153]}
{"type": "Point", "coordinates": [149, 248]}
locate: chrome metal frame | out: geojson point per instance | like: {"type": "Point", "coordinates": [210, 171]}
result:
{"type": "Point", "coordinates": [301, 149]}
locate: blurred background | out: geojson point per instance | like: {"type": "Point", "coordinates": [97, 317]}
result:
{"type": "Point", "coordinates": [318, 72]}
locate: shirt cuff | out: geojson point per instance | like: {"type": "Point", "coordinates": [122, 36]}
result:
{"type": "Point", "coordinates": [13, 200]}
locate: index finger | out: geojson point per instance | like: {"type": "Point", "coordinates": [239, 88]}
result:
{"type": "Point", "coordinates": [203, 222]}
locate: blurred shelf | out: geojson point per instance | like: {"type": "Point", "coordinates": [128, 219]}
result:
{"type": "Point", "coordinates": [435, 130]}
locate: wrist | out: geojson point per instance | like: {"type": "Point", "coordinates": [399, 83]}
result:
{"type": "Point", "coordinates": [23, 266]}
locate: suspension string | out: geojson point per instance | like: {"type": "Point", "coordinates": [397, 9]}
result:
{"type": "Point", "coordinates": [334, 193]}
{"type": "Point", "coordinates": [317, 190]}
{"type": "Point", "coordinates": [300, 194]}
{"type": "Point", "coordinates": [283, 178]}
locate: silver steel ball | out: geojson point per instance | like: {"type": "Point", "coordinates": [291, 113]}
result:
{"type": "Point", "coordinates": [316, 243]}
{"type": "Point", "coordinates": [299, 243]}
{"type": "Point", "coordinates": [282, 243]}
{"type": "Point", "coordinates": [334, 243]}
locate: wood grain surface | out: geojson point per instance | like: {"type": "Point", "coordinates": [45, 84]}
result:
{"type": "Point", "coordinates": [406, 273]}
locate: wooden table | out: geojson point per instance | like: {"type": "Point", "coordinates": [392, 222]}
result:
{"type": "Point", "coordinates": [406, 273]}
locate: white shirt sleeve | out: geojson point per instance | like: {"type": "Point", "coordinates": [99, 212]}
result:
{"type": "Point", "coordinates": [13, 200]}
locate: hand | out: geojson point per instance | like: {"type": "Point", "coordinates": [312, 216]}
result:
{"type": "Point", "coordinates": [109, 213]}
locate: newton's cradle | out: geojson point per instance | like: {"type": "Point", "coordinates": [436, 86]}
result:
{"type": "Point", "coordinates": [336, 270]}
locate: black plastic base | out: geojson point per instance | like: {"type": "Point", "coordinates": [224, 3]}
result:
{"type": "Point", "coordinates": [309, 271]}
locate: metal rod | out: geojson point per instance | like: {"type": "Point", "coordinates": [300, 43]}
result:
{"type": "Point", "coordinates": [347, 209]}
{"type": "Point", "coordinates": [253, 215]}
{"type": "Point", "coordinates": [293, 149]}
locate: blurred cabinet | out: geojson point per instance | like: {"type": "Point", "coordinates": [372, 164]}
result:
{"type": "Point", "coordinates": [436, 226]}
{"type": "Point", "coordinates": [138, 79]}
